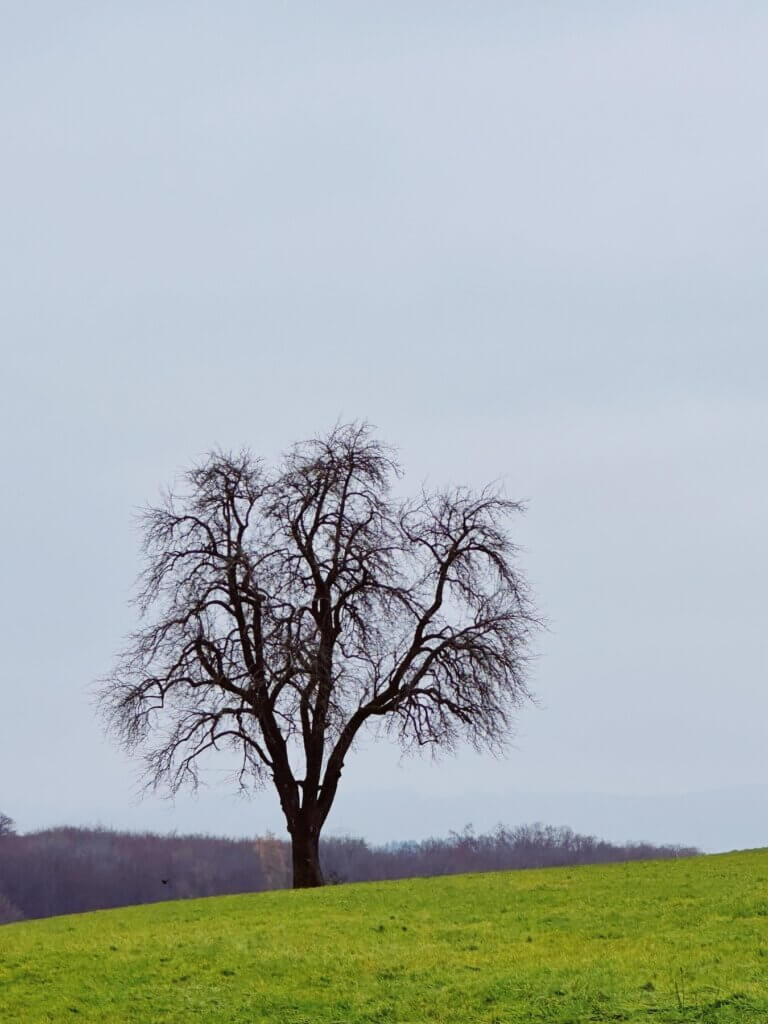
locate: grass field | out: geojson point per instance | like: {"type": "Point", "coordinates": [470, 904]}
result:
{"type": "Point", "coordinates": [682, 940]}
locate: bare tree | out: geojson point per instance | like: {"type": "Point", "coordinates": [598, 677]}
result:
{"type": "Point", "coordinates": [7, 825]}
{"type": "Point", "coordinates": [283, 610]}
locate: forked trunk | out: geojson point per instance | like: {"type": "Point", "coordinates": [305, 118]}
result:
{"type": "Point", "coordinates": [305, 847]}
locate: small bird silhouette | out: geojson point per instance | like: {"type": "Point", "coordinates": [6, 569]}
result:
{"type": "Point", "coordinates": [164, 881]}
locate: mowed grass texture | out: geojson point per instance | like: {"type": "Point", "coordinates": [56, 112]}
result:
{"type": "Point", "coordinates": [682, 940]}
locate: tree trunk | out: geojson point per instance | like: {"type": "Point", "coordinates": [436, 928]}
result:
{"type": "Point", "coordinates": [305, 843]}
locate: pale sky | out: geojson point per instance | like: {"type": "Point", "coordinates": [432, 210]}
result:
{"type": "Point", "coordinates": [527, 240]}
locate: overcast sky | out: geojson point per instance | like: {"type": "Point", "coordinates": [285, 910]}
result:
{"type": "Point", "coordinates": [526, 240]}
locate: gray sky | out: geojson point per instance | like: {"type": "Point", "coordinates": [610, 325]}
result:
{"type": "Point", "coordinates": [527, 240]}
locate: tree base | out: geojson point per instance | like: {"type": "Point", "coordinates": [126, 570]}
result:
{"type": "Point", "coordinates": [307, 873]}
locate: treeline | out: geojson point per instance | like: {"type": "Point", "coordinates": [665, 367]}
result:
{"type": "Point", "coordinates": [68, 870]}
{"type": "Point", "coordinates": [527, 846]}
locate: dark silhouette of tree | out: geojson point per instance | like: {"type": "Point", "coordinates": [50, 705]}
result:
{"type": "Point", "coordinates": [284, 610]}
{"type": "Point", "coordinates": [7, 825]}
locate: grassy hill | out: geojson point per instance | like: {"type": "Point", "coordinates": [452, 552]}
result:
{"type": "Point", "coordinates": [661, 941]}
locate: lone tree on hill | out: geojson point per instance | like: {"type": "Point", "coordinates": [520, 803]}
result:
{"type": "Point", "coordinates": [284, 609]}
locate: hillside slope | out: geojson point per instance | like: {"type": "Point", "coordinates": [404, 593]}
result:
{"type": "Point", "coordinates": [664, 941]}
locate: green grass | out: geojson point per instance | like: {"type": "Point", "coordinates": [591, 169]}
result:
{"type": "Point", "coordinates": [679, 940]}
